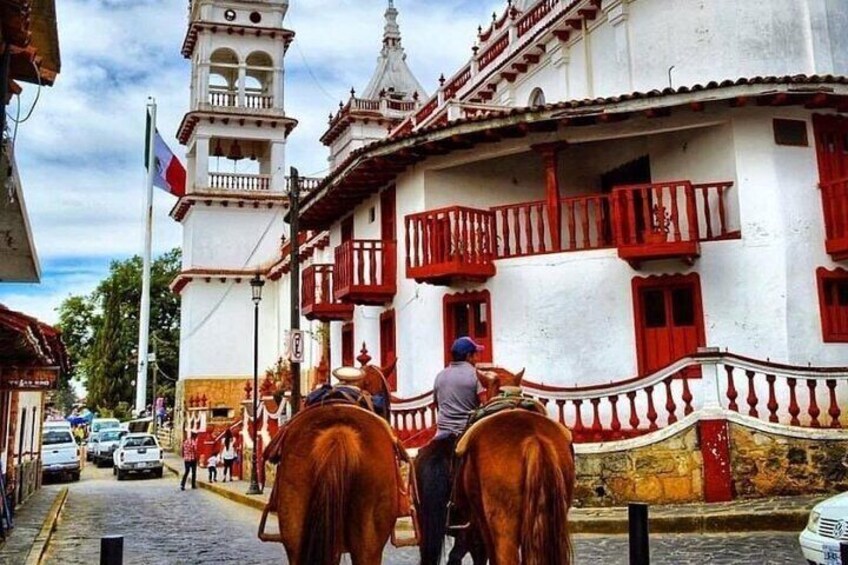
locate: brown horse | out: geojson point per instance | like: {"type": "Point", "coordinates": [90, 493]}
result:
{"type": "Point", "coordinates": [517, 481]}
{"type": "Point", "coordinates": [336, 489]}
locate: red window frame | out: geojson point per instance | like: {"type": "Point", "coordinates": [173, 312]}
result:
{"type": "Point", "coordinates": [388, 345]}
{"type": "Point", "coordinates": [834, 316]}
{"type": "Point", "coordinates": [640, 284]}
{"type": "Point", "coordinates": [347, 345]}
{"type": "Point", "coordinates": [450, 302]}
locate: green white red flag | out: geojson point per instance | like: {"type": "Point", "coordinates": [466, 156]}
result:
{"type": "Point", "coordinates": [170, 175]}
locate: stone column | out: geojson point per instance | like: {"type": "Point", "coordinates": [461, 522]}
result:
{"type": "Point", "coordinates": [201, 160]}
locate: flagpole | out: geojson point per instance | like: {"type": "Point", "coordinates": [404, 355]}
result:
{"type": "Point", "coordinates": [144, 316]}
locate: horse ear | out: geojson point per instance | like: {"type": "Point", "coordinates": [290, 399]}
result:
{"type": "Point", "coordinates": [389, 369]}
{"type": "Point", "coordinates": [519, 376]}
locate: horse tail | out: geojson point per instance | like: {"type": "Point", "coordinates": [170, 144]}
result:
{"type": "Point", "coordinates": [338, 453]}
{"type": "Point", "coordinates": [544, 531]}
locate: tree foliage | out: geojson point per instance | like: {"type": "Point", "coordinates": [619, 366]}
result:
{"type": "Point", "coordinates": [101, 331]}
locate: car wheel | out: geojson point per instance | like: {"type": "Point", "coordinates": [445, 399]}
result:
{"type": "Point", "coordinates": [120, 475]}
{"type": "Point", "coordinates": [114, 470]}
{"type": "Point", "coordinates": [75, 476]}
{"type": "Point", "coordinates": [157, 473]}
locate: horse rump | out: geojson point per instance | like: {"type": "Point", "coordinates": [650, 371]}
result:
{"type": "Point", "coordinates": [339, 454]}
{"type": "Point", "coordinates": [544, 530]}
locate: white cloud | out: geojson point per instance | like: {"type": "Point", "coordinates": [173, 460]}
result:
{"type": "Point", "coordinates": [80, 156]}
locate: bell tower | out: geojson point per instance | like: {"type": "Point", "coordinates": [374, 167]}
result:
{"type": "Point", "coordinates": [232, 214]}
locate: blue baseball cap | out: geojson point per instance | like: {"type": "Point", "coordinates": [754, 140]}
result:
{"type": "Point", "coordinates": [466, 346]}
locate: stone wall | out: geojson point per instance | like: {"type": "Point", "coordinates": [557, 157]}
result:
{"type": "Point", "coordinates": [770, 465]}
{"type": "Point", "coordinates": [666, 472]}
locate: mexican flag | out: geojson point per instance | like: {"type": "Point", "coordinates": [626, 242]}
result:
{"type": "Point", "coordinates": [170, 174]}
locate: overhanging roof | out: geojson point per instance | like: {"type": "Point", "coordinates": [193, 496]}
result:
{"type": "Point", "coordinates": [369, 168]}
{"type": "Point", "coordinates": [27, 342]}
{"type": "Point", "coordinates": [18, 257]}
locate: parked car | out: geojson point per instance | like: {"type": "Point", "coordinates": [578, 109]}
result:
{"type": "Point", "coordinates": [138, 453]}
{"type": "Point", "coordinates": [104, 445]}
{"type": "Point", "coordinates": [97, 426]}
{"type": "Point", "coordinates": [56, 424]}
{"type": "Point", "coordinates": [60, 454]}
{"type": "Point", "coordinates": [826, 529]}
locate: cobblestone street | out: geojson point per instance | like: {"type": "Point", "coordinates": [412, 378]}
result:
{"type": "Point", "coordinates": [161, 524]}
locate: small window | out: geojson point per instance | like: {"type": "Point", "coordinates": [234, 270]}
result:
{"type": "Point", "coordinates": [683, 306]}
{"type": "Point", "coordinates": [372, 215]}
{"type": "Point", "coordinates": [833, 304]}
{"type": "Point", "coordinates": [537, 97]}
{"type": "Point", "coordinates": [654, 308]}
{"type": "Point", "coordinates": [791, 132]}
{"type": "Point", "coordinates": [220, 412]}
{"type": "Point", "coordinates": [255, 17]}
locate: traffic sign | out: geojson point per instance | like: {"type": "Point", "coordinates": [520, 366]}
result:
{"type": "Point", "coordinates": [296, 346]}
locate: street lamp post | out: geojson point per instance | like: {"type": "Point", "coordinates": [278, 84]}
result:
{"type": "Point", "coordinates": [256, 284]}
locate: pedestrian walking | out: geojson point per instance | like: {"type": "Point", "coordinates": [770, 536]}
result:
{"type": "Point", "coordinates": [190, 460]}
{"type": "Point", "coordinates": [228, 454]}
{"type": "Point", "coordinates": [212, 467]}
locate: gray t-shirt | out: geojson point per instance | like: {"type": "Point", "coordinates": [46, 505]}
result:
{"type": "Point", "coordinates": [456, 389]}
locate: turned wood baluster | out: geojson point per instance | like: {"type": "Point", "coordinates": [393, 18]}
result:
{"type": "Point", "coordinates": [634, 416]}
{"type": "Point", "coordinates": [373, 254]}
{"type": "Point", "coordinates": [585, 225]}
{"type": "Point", "coordinates": [540, 226]}
{"type": "Point", "coordinates": [458, 246]}
{"type": "Point", "coordinates": [561, 410]}
{"type": "Point", "coordinates": [814, 410]}
{"type": "Point", "coordinates": [578, 418]}
{"type": "Point", "coordinates": [687, 398]}
{"type": "Point", "coordinates": [721, 218]}
{"type": "Point", "coordinates": [833, 411]}
{"type": "Point", "coordinates": [706, 197]}
{"type": "Point", "coordinates": [670, 406]}
{"type": "Point", "coordinates": [528, 230]}
{"type": "Point", "coordinates": [752, 395]}
{"type": "Point", "coordinates": [615, 424]}
{"type": "Point", "coordinates": [652, 413]}
{"type": "Point", "coordinates": [572, 226]}
{"type": "Point", "coordinates": [597, 428]}
{"type": "Point", "coordinates": [732, 394]}
{"type": "Point", "coordinates": [794, 410]}
{"type": "Point", "coordinates": [360, 265]}
{"type": "Point", "coordinates": [772, 400]}
{"type": "Point", "coordinates": [647, 213]}
{"type": "Point", "coordinates": [517, 224]}
{"type": "Point", "coordinates": [675, 212]}
{"type": "Point", "coordinates": [505, 220]}
{"type": "Point", "coordinates": [409, 250]}
{"type": "Point", "coordinates": [599, 223]}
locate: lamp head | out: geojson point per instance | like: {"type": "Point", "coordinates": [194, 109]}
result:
{"type": "Point", "coordinates": [256, 284]}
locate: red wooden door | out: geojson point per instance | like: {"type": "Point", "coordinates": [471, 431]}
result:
{"type": "Point", "coordinates": [831, 134]}
{"type": "Point", "coordinates": [469, 314]}
{"type": "Point", "coordinates": [669, 320]}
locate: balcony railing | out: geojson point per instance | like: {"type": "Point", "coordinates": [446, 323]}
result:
{"type": "Point", "coordinates": [224, 98]}
{"type": "Point", "coordinates": [318, 301]}
{"type": "Point", "coordinates": [258, 101]}
{"type": "Point", "coordinates": [235, 181]}
{"type": "Point", "coordinates": [365, 271]}
{"type": "Point", "coordinates": [449, 244]}
{"type": "Point", "coordinates": [835, 204]}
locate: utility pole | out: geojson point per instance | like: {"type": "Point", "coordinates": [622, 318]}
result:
{"type": "Point", "coordinates": [294, 212]}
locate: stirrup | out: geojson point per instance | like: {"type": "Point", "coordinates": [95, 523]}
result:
{"type": "Point", "coordinates": [449, 523]}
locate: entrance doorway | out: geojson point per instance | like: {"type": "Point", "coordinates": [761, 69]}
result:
{"type": "Point", "coordinates": [468, 314]}
{"type": "Point", "coordinates": [669, 320]}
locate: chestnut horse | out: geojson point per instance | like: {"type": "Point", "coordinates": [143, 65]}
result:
{"type": "Point", "coordinates": [336, 489]}
{"type": "Point", "coordinates": [516, 479]}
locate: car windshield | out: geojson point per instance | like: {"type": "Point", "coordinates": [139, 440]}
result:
{"type": "Point", "coordinates": [110, 435]}
{"type": "Point", "coordinates": [107, 425]}
{"type": "Point", "coordinates": [140, 442]}
{"type": "Point", "coordinates": [54, 437]}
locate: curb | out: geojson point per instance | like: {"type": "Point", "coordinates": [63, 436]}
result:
{"type": "Point", "coordinates": [39, 545]}
{"type": "Point", "coordinates": [251, 501]}
{"type": "Point", "coordinates": [731, 522]}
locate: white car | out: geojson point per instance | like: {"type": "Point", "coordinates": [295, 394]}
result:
{"type": "Point", "coordinates": [138, 453]}
{"type": "Point", "coordinates": [104, 445]}
{"type": "Point", "coordinates": [60, 454]}
{"type": "Point", "coordinates": [826, 529]}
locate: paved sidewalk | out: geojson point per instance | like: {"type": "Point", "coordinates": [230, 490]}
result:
{"type": "Point", "coordinates": [30, 519]}
{"type": "Point", "coordinates": [771, 514]}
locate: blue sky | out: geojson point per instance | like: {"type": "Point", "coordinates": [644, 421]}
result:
{"type": "Point", "coordinates": [80, 155]}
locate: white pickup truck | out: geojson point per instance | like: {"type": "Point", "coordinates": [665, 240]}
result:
{"type": "Point", "coordinates": [138, 453]}
{"type": "Point", "coordinates": [60, 454]}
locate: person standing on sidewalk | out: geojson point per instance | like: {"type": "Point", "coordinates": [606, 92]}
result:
{"type": "Point", "coordinates": [228, 454]}
{"type": "Point", "coordinates": [190, 460]}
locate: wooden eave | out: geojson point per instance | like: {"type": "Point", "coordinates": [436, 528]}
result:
{"type": "Point", "coordinates": [29, 26]}
{"type": "Point", "coordinates": [361, 174]}
{"type": "Point", "coordinates": [195, 27]}
{"type": "Point", "coordinates": [191, 119]}
{"type": "Point", "coordinates": [227, 198]}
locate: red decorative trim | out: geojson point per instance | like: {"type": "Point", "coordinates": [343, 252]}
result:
{"type": "Point", "coordinates": [475, 297]}
{"type": "Point", "coordinates": [664, 282]}
{"type": "Point", "coordinates": [834, 317]}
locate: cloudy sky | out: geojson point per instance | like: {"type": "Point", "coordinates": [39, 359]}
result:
{"type": "Point", "coordinates": [81, 154]}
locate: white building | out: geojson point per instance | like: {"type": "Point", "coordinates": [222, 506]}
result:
{"type": "Point", "coordinates": [606, 186]}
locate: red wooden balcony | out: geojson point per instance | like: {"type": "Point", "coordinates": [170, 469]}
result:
{"type": "Point", "coordinates": [317, 300]}
{"type": "Point", "coordinates": [365, 272]}
{"type": "Point", "coordinates": [450, 244]}
{"type": "Point", "coordinates": [835, 204]}
{"type": "Point", "coordinates": [668, 220]}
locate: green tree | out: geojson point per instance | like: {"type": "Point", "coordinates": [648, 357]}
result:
{"type": "Point", "coordinates": [101, 331]}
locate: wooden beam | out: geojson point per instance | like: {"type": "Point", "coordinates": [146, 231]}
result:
{"type": "Point", "coordinates": [562, 34]}
{"type": "Point", "coordinates": [520, 67]}
{"type": "Point", "coordinates": [657, 112]}
{"type": "Point", "coordinates": [532, 58]}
